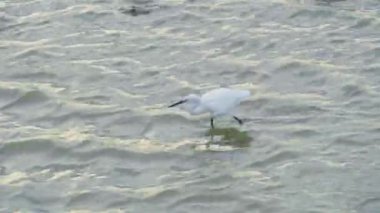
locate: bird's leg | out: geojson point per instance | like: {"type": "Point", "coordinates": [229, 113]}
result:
{"type": "Point", "coordinates": [211, 133]}
{"type": "Point", "coordinates": [238, 120]}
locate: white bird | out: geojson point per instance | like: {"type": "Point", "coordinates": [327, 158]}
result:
{"type": "Point", "coordinates": [217, 102]}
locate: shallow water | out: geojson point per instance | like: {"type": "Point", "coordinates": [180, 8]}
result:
{"type": "Point", "coordinates": [84, 87]}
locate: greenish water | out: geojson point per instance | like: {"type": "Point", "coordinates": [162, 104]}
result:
{"type": "Point", "coordinates": [85, 85]}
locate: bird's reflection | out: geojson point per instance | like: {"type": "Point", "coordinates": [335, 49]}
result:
{"type": "Point", "coordinates": [229, 136]}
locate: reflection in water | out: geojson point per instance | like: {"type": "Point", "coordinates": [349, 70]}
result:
{"type": "Point", "coordinates": [229, 136]}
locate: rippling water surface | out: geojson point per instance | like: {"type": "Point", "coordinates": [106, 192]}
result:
{"type": "Point", "coordinates": [84, 87]}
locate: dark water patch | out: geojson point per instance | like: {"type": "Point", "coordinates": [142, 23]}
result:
{"type": "Point", "coordinates": [289, 76]}
{"type": "Point", "coordinates": [96, 199]}
{"type": "Point", "coordinates": [312, 13]}
{"type": "Point", "coordinates": [136, 10]}
{"type": "Point", "coordinates": [43, 197]}
{"type": "Point", "coordinates": [95, 99]}
{"type": "Point", "coordinates": [127, 171]}
{"type": "Point", "coordinates": [213, 183]}
{"type": "Point", "coordinates": [305, 133]}
{"type": "Point", "coordinates": [3, 170]}
{"type": "Point", "coordinates": [61, 115]}
{"type": "Point", "coordinates": [5, 19]}
{"type": "Point", "coordinates": [310, 168]}
{"type": "Point", "coordinates": [9, 27]}
{"type": "Point", "coordinates": [9, 95]}
{"type": "Point", "coordinates": [38, 76]}
{"type": "Point", "coordinates": [202, 200]}
{"type": "Point", "coordinates": [338, 41]}
{"type": "Point", "coordinates": [372, 68]}
{"type": "Point", "coordinates": [123, 125]}
{"type": "Point", "coordinates": [35, 54]}
{"type": "Point", "coordinates": [257, 104]}
{"type": "Point", "coordinates": [348, 140]}
{"type": "Point", "coordinates": [293, 110]}
{"type": "Point", "coordinates": [170, 119]}
{"type": "Point", "coordinates": [328, 1]}
{"type": "Point", "coordinates": [373, 53]}
{"type": "Point", "coordinates": [276, 158]}
{"type": "Point", "coordinates": [92, 15]}
{"type": "Point", "coordinates": [143, 2]}
{"type": "Point", "coordinates": [38, 196]}
{"type": "Point", "coordinates": [254, 205]}
{"type": "Point", "coordinates": [318, 82]}
{"type": "Point", "coordinates": [124, 203]}
{"type": "Point", "coordinates": [352, 91]}
{"type": "Point", "coordinates": [128, 155]}
{"type": "Point", "coordinates": [369, 205]}
{"type": "Point", "coordinates": [360, 103]}
{"type": "Point", "coordinates": [39, 152]}
{"type": "Point", "coordinates": [375, 130]}
{"type": "Point", "coordinates": [293, 70]}
{"type": "Point", "coordinates": [190, 17]}
{"type": "Point", "coordinates": [282, 120]}
{"type": "Point", "coordinates": [289, 66]}
{"type": "Point", "coordinates": [172, 126]}
{"type": "Point", "coordinates": [25, 146]}
{"type": "Point", "coordinates": [249, 72]}
{"type": "Point", "coordinates": [362, 23]}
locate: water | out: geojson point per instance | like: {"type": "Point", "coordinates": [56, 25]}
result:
{"type": "Point", "coordinates": [84, 88]}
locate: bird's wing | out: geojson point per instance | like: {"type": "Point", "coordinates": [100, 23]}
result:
{"type": "Point", "coordinates": [222, 100]}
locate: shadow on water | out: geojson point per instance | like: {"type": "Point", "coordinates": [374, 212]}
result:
{"type": "Point", "coordinates": [229, 136]}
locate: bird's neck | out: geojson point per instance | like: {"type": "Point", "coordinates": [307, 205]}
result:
{"type": "Point", "coordinates": [194, 106]}
{"type": "Point", "coordinates": [198, 110]}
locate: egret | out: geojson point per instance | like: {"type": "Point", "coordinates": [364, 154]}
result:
{"type": "Point", "coordinates": [217, 102]}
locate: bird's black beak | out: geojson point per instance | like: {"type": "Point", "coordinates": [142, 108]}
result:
{"type": "Point", "coordinates": [177, 103]}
